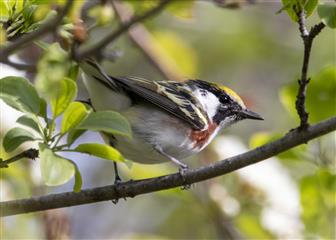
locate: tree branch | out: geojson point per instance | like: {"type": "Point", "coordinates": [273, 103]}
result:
{"type": "Point", "coordinates": [123, 28]}
{"type": "Point", "coordinates": [134, 188]}
{"type": "Point", "coordinates": [29, 37]}
{"type": "Point", "coordinates": [308, 38]}
{"type": "Point", "coordinates": [30, 153]}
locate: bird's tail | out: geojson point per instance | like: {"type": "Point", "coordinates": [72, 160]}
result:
{"type": "Point", "coordinates": [92, 69]}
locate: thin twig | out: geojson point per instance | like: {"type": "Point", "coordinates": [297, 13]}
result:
{"type": "Point", "coordinates": [49, 26]}
{"type": "Point", "coordinates": [307, 38]}
{"type": "Point", "coordinates": [30, 153]}
{"type": "Point", "coordinates": [134, 188]}
{"type": "Point", "coordinates": [122, 29]}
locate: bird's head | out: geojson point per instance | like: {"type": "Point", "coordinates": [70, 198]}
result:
{"type": "Point", "coordinates": [223, 106]}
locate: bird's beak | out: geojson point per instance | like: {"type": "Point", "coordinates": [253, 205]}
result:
{"type": "Point", "coordinates": [245, 113]}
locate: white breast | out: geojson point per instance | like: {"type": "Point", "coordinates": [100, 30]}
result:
{"type": "Point", "coordinates": [152, 126]}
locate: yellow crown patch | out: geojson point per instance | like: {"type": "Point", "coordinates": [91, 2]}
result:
{"type": "Point", "coordinates": [233, 95]}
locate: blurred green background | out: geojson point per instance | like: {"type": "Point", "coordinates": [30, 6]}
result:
{"type": "Point", "coordinates": [254, 51]}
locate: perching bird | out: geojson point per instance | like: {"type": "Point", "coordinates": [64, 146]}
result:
{"type": "Point", "coordinates": [169, 120]}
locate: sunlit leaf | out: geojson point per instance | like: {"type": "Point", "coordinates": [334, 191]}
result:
{"type": "Point", "coordinates": [294, 6]}
{"type": "Point", "coordinates": [73, 115]}
{"type": "Point", "coordinates": [64, 95]}
{"type": "Point", "coordinates": [31, 122]}
{"type": "Point", "coordinates": [15, 137]}
{"type": "Point", "coordinates": [178, 55]}
{"type": "Point", "coordinates": [106, 121]}
{"type": "Point", "coordinates": [19, 94]}
{"type": "Point", "coordinates": [100, 150]}
{"type": "Point", "coordinates": [327, 13]}
{"type": "Point", "coordinates": [55, 170]}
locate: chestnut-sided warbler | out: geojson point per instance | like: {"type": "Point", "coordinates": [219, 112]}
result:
{"type": "Point", "coordinates": [170, 120]}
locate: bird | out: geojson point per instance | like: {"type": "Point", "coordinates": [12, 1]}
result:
{"type": "Point", "coordinates": [170, 120]}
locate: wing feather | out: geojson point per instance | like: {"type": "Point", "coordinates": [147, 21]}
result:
{"type": "Point", "coordinates": [173, 97]}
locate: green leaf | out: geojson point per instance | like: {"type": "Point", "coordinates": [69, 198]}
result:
{"type": "Point", "coordinates": [15, 137]}
{"type": "Point", "coordinates": [309, 6]}
{"type": "Point", "coordinates": [106, 121]}
{"type": "Point", "coordinates": [73, 115]}
{"type": "Point", "coordinates": [52, 68]}
{"type": "Point", "coordinates": [73, 135]}
{"type": "Point", "coordinates": [31, 122]}
{"type": "Point", "coordinates": [65, 93]}
{"type": "Point", "coordinates": [327, 13]}
{"type": "Point", "coordinates": [43, 108]}
{"type": "Point", "coordinates": [78, 179]}
{"type": "Point", "coordinates": [100, 150]}
{"type": "Point", "coordinates": [321, 92]}
{"type": "Point", "coordinates": [19, 94]}
{"type": "Point", "coordinates": [294, 6]}
{"type": "Point", "coordinates": [55, 170]}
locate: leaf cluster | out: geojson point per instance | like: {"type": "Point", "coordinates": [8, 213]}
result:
{"type": "Point", "coordinates": [57, 92]}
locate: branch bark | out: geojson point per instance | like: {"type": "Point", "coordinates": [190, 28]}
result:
{"type": "Point", "coordinates": [85, 52]}
{"type": "Point", "coordinates": [30, 153]}
{"type": "Point", "coordinates": [307, 38]}
{"type": "Point", "coordinates": [29, 37]}
{"type": "Point", "coordinates": [134, 188]}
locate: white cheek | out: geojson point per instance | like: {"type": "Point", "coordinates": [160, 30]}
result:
{"type": "Point", "coordinates": [209, 102]}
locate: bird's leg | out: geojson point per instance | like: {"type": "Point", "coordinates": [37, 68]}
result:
{"type": "Point", "coordinates": [183, 168]}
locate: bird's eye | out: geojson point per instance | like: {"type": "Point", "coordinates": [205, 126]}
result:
{"type": "Point", "coordinates": [226, 99]}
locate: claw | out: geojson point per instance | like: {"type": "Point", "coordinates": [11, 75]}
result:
{"type": "Point", "coordinates": [117, 182]}
{"type": "Point", "coordinates": [183, 170]}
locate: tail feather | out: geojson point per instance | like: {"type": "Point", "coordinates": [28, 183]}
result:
{"type": "Point", "coordinates": [92, 68]}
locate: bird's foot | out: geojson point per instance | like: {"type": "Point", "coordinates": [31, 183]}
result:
{"type": "Point", "coordinates": [183, 170]}
{"type": "Point", "coordinates": [117, 182]}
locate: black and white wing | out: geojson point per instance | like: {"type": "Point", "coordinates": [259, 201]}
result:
{"type": "Point", "coordinates": [174, 97]}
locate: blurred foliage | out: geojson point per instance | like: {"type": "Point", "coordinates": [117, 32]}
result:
{"type": "Point", "coordinates": [251, 49]}
{"type": "Point", "coordinates": [318, 196]}
{"type": "Point", "coordinates": [176, 52]}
